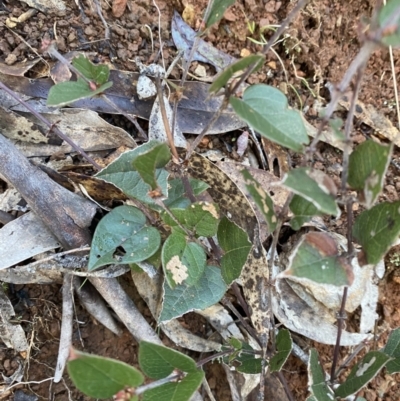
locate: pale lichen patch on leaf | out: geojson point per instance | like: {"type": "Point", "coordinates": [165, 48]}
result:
{"type": "Point", "coordinates": [364, 367]}
{"type": "Point", "coordinates": [177, 269]}
{"type": "Point", "coordinates": [210, 208]}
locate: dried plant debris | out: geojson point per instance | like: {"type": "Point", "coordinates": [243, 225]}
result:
{"type": "Point", "coordinates": [234, 204]}
{"type": "Point", "coordinates": [309, 308]}
{"type": "Point", "coordinates": [11, 334]}
{"type": "Point", "coordinates": [29, 235]}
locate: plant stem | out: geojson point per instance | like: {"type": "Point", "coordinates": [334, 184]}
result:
{"type": "Point", "coordinates": [169, 133]}
{"type": "Point", "coordinates": [341, 317]}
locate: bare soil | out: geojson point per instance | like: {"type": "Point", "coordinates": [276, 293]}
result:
{"type": "Point", "coordinates": [318, 49]}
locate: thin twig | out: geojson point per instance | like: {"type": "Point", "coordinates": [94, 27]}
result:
{"type": "Point", "coordinates": [348, 128]}
{"type": "Point", "coordinates": [285, 385]}
{"type": "Point", "coordinates": [225, 301]}
{"type": "Point", "coordinates": [51, 126]}
{"type": "Point", "coordinates": [142, 134]}
{"type": "Point", "coordinates": [203, 133]}
{"type": "Point", "coordinates": [341, 317]}
{"type": "Point", "coordinates": [169, 133]}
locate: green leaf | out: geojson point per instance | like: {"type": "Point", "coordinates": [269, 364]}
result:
{"type": "Point", "coordinates": [362, 373]}
{"type": "Point", "coordinates": [284, 347]}
{"type": "Point", "coordinates": [248, 362]}
{"type": "Point", "coordinates": [182, 299]}
{"type": "Point", "coordinates": [301, 181]}
{"type": "Point", "coordinates": [262, 199]}
{"type": "Point", "coordinates": [392, 349]}
{"type": "Point", "coordinates": [236, 246]}
{"type": "Point", "coordinates": [318, 387]}
{"type": "Point", "coordinates": [157, 361]}
{"type": "Point", "coordinates": [393, 366]}
{"type": "Point", "coordinates": [217, 10]}
{"type": "Point", "coordinates": [235, 343]}
{"type": "Point", "coordinates": [177, 197]}
{"type": "Point", "coordinates": [303, 211]}
{"type": "Point", "coordinates": [367, 168]}
{"type": "Point", "coordinates": [200, 218]}
{"type": "Point", "coordinates": [124, 226]}
{"type": "Point", "coordinates": [147, 162]}
{"type": "Point", "coordinates": [65, 93]}
{"type": "Point", "coordinates": [180, 391]}
{"type": "Point", "coordinates": [97, 73]}
{"type": "Point", "coordinates": [265, 109]}
{"type": "Point", "coordinates": [392, 38]}
{"type": "Point", "coordinates": [100, 377]}
{"type": "Point", "coordinates": [122, 174]}
{"type": "Point", "coordinates": [377, 229]}
{"type": "Point", "coordinates": [222, 78]}
{"type": "Point", "coordinates": [316, 258]}
{"type": "Point", "coordinates": [183, 261]}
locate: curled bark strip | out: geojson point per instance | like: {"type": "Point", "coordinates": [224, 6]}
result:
{"type": "Point", "coordinates": [126, 310]}
{"type": "Point", "coordinates": [95, 305]}
{"type": "Point", "coordinates": [66, 327]}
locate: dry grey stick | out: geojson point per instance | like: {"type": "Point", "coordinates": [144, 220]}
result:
{"type": "Point", "coordinates": [66, 327]}
{"type": "Point", "coordinates": [95, 305]}
{"type": "Point", "coordinates": [126, 310]}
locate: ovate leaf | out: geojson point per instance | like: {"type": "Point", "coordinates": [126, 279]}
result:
{"type": "Point", "coordinates": [183, 261]}
{"type": "Point", "coordinates": [126, 227]}
{"type": "Point", "coordinates": [303, 211]}
{"type": "Point", "coordinates": [362, 373]}
{"type": "Point", "coordinates": [262, 200]}
{"type": "Point", "coordinates": [122, 174]}
{"type": "Point", "coordinates": [316, 379]}
{"type": "Point", "coordinates": [176, 391]}
{"type": "Point", "coordinates": [157, 361]}
{"type": "Point", "coordinates": [148, 162]}
{"type": "Point", "coordinates": [236, 246]}
{"type": "Point", "coordinates": [65, 93]}
{"type": "Point", "coordinates": [284, 347]}
{"type": "Point", "coordinates": [208, 290]}
{"type": "Point", "coordinates": [367, 168]}
{"type": "Point", "coordinates": [100, 377]}
{"type": "Point", "coordinates": [314, 186]}
{"type": "Point", "coordinates": [217, 10]}
{"type": "Point", "coordinates": [200, 218]}
{"type": "Point", "coordinates": [97, 73]}
{"type": "Point", "coordinates": [177, 197]}
{"type": "Point", "coordinates": [392, 348]}
{"type": "Point", "coordinates": [222, 79]}
{"type": "Point", "coordinates": [316, 258]}
{"type": "Point", "coordinates": [377, 229]}
{"type": "Point", "coordinates": [266, 110]}
{"type": "Point", "coordinates": [248, 362]}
